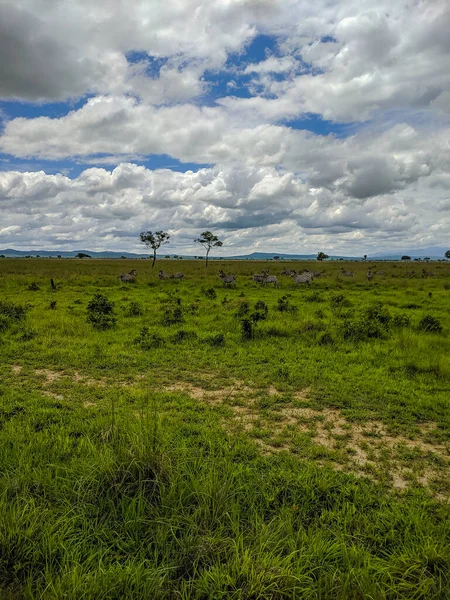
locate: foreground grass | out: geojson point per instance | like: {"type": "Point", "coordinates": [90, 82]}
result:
{"type": "Point", "coordinates": [263, 468]}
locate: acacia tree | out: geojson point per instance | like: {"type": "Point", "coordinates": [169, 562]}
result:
{"type": "Point", "coordinates": [154, 241]}
{"type": "Point", "coordinates": [447, 254]}
{"type": "Point", "coordinates": [322, 256]}
{"type": "Point", "coordinates": [208, 240]}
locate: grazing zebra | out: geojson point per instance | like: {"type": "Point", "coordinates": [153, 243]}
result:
{"type": "Point", "coordinates": [163, 275]}
{"type": "Point", "coordinates": [347, 273]}
{"type": "Point", "coordinates": [269, 279]}
{"type": "Point", "coordinates": [258, 278]}
{"type": "Point", "coordinates": [318, 273]}
{"type": "Point", "coordinates": [227, 279]}
{"type": "Point", "coordinates": [178, 276]}
{"type": "Point", "coordinates": [303, 278]}
{"type": "Point", "coordinates": [127, 277]}
{"type": "Point", "coordinates": [379, 272]}
{"type": "Point", "coordinates": [288, 272]}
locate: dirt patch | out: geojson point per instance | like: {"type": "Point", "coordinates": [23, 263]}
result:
{"type": "Point", "coordinates": [221, 395]}
{"type": "Point", "coordinates": [49, 375]}
{"type": "Point", "coordinates": [16, 369]}
{"type": "Point", "coordinates": [52, 395]}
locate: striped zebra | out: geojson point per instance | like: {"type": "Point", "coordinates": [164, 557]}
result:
{"type": "Point", "coordinates": [227, 279]}
{"type": "Point", "coordinates": [163, 275]}
{"type": "Point", "coordinates": [178, 276]}
{"type": "Point", "coordinates": [270, 279]}
{"type": "Point", "coordinates": [288, 272]}
{"type": "Point", "coordinates": [369, 275]}
{"type": "Point", "coordinates": [347, 273]}
{"type": "Point", "coordinates": [127, 277]}
{"type": "Point", "coordinates": [303, 278]}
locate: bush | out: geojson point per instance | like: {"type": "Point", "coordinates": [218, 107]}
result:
{"type": "Point", "coordinates": [148, 341]}
{"type": "Point", "coordinates": [378, 313]}
{"type": "Point", "coordinates": [5, 323]}
{"type": "Point", "coordinates": [430, 324]}
{"type": "Point", "coordinates": [401, 321]}
{"type": "Point", "coordinates": [172, 316]}
{"type": "Point", "coordinates": [338, 302]}
{"type": "Point", "coordinates": [260, 312]}
{"type": "Point", "coordinates": [247, 329]}
{"type": "Point", "coordinates": [216, 341]}
{"type": "Point", "coordinates": [101, 312]}
{"type": "Point", "coordinates": [285, 306]}
{"type": "Point", "coordinates": [314, 297]}
{"type": "Point", "coordinates": [183, 336]}
{"type": "Point", "coordinates": [33, 287]}
{"type": "Point", "coordinates": [13, 312]}
{"type": "Point", "coordinates": [243, 309]}
{"type": "Point", "coordinates": [209, 293]}
{"type": "Point", "coordinates": [326, 339]}
{"type": "Point", "coordinates": [134, 309]}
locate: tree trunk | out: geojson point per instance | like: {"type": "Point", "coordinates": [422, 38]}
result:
{"type": "Point", "coordinates": [207, 253]}
{"type": "Point", "coordinates": [154, 258]}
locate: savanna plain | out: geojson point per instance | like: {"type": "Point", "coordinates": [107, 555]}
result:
{"type": "Point", "coordinates": [185, 440]}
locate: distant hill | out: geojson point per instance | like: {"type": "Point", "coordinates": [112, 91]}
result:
{"type": "Point", "coordinates": [433, 253]}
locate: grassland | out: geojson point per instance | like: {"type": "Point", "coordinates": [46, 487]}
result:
{"type": "Point", "coordinates": [206, 446]}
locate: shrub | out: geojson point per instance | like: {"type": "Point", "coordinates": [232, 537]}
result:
{"type": "Point", "coordinates": [338, 302]}
{"type": "Point", "coordinates": [247, 329]}
{"type": "Point", "coordinates": [285, 306]}
{"type": "Point", "coordinates": [209, 293]}
{"type": "Point", "coordinates": [377, 312]}
{"type": "Point", "coordinates": [183, 336]}
{"type": "Point", "coordinates": [401, 321]}
{"type": "Point", "coordinates": [243, 309]}
{"type": "Point", "coordinates": [260, 312]}
{"type": "Point", "coordinates": [430, 324]}
{"type": "Point", "coordinates": [148, 341]}
{"type": "Point", "coordinates": [134, 309]}
{"type": "Point", "coordinates": [314, 297]}
{"type": "Point", "coordinates": [101, 312]}
{"type": "Point", "coordinates": [172, 316]}
{"type": "Point", "coordinates": [33, 287]}
{"type": "Point", "coordinates": [326, 339]}
{"type": "Point", "coordinates": [216, 341]}
{"type": "Point", "coordinates": [14, 312]}
{"type": "Point", "coordinates": [5, 323]}
{"type": "Point", "coordinates": [52, 305]}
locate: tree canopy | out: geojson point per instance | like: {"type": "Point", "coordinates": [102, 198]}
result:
{"type": "Point", "coordinates": [154, 241]}
{"type": "Point", "coordinates": [208, 240]}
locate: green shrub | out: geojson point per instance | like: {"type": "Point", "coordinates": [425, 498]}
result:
{"type": "Point", "coordinates": [14, 312]}
{"type": "Point", "coordinates": [401, 321]}
{"type": "Point", "coordinates": [209, 293]}
{"type": "Point", "coordinates": [33, 287]}
{"type": "Point", "coordinates": [134, 309]}
{"type": "Point", "coordinates": [314, 297]}
{"type": "Point", "coordinates": [260, 312]}
{"type": "Point", "coordinates": [101, 312]}
{"type": "Point", "coordinates": [183, 336]}
{"type": "Point", "coordinates": [284, 305]}
{"type": "Point", "coordinates": [216, 341]}
{"type": "Point", "coordinates": [338, 302]}
{"type": "Point", "coordinates": [247, 329]}
{"type": "Point", "coordinates": [430, 324]}
{"type": "Point", "coordinates": [149, 341]}
{"type": "Point", "coordinates": [172, 316]}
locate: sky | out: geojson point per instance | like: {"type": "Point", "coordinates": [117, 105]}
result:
{"type": "Point", "coordinates": [280, 125]}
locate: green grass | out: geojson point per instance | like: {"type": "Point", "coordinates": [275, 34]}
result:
{"type": "Point", "coordinates": [168, 457]}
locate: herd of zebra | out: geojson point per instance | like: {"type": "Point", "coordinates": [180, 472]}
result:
{"type": "Point", "coordinates": [230, 280]}
{"type": "Point", "coordinates": [264, 278]}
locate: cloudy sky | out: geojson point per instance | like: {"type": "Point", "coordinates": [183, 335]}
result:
{"type": "Point", "coordinates": [281, 125]}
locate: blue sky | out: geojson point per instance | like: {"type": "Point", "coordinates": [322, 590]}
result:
{"type": "Point", "coordinates": [285, 126]}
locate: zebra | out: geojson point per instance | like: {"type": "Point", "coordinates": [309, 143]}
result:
{"type": "Point", "coordinates": [163, 275]}
{"type": "Point", "coordinates": [269, 279]}
{"type": "Point", "coordinates": [178, 276]}
{"type": "Point", "coordinates": [259, 278]}
{"type": "Point", "coordinates": [127, 277]}
{"type": "Point", "coordinates": [227, 279]}
{"type": "Point", "coordinates": [379, 272]}
{"type": "Point", "coordinates": [347, 273]}
{"type": "Point", "coordinates": [288, 272]}
{"type": "Point", "coordinates": [303, 278]}
{"type": "Point", "coordinates": [369, 275]}
{"type": "Point", "coordinates": [427, 273]}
